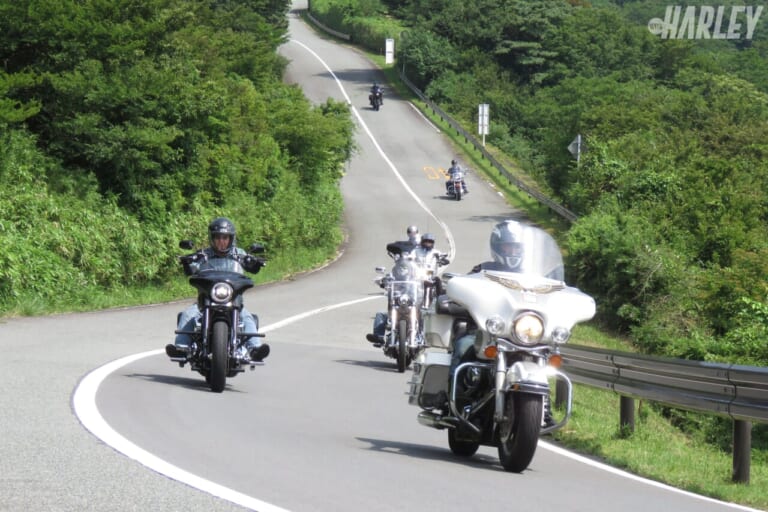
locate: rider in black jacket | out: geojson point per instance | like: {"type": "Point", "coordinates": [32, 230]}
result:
{"type": "Point", "coordinates": [376, 89]}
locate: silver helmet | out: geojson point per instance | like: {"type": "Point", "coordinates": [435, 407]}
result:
{"type": "Point", "coordinates": [506, 246]}
{"type": "Point", "coordinates": [413, 234]}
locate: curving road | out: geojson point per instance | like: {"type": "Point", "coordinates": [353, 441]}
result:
{"type": "Point", "coordinates": [96, 418]}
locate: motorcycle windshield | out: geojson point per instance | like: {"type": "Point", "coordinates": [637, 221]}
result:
{"type": "Point", "coordinates": [222, 265]}
{"type": "Point", "coordinates": [541, 256]}
{"type": "Point", "coordinates": [409, 268]}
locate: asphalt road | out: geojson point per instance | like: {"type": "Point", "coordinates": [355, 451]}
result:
{"type": "Point", "coordinates": [94, 416]}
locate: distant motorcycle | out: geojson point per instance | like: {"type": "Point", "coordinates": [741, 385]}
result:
{"type": "Point", "coordinates": [456, 186]}
{"type": "Point", "coordinates": [375, 99]}
{"type": "Point", "coordinates": [498, 397]}
{"type": "Point", "coordinates": [410, 288]}
{"type": "Point", "coordinates": [218, 349]}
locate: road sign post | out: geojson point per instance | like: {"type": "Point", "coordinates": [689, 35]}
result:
{"type": "Point", "coordinates": [482, 121]}
{"type": "Point", "coordinates": [575, 148]}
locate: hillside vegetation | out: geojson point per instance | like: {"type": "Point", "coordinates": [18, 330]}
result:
{"type": "Point", "coordinates": [126, 126]}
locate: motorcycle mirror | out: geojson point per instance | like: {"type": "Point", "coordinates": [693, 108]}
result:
{"type": "Point", "coordinates": [187, 245]}
{"type": "Point", "coordinates": [380, 270]}
{"type": "Point", "coordinates": [256, 249]}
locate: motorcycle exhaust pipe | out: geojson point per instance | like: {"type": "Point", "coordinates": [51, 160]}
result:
{"type": "Point", "coordinates": [434, 420]}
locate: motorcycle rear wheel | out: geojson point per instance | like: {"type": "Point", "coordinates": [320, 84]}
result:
{"type": "Point", "coordinates": [519, 432]}
{"type": "Point", "coordinates": [219, 356]}
{"type": "Point", "coordinates": [402, 348]}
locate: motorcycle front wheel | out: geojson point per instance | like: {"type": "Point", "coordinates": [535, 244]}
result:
{"type": "Point", "coordinates": [402, 348]}
{"type": "Point", "coordinates": [519, 431]}
{"type": "Point", "coordinates": [219, 356]}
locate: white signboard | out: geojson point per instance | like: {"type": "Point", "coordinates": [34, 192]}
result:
{"type": "Point", "coordinates": [389, 52]}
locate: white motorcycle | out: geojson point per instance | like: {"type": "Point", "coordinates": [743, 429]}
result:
{"type": "Point", "coordinates": [455, 186]}
{"type": "Point", "coordinates": [500, 390]}
{"type": "Point", "coordinates": [410, 289]}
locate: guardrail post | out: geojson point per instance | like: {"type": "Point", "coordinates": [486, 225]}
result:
{"type": "Point", "coordinates": [742, 448]}
{"type": "Point", "coordinates": [627, 415]}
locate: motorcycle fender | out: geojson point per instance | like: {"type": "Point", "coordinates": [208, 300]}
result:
{"type": "Point", "coordinates": [437, 330]}
{"type": "Point", "coordinates": [527, 376]}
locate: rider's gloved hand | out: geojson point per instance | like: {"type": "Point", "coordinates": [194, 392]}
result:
{"type": "Point", "coordinates": [186, 262]}
{"type": "Point", "coordinates": [252, 264]}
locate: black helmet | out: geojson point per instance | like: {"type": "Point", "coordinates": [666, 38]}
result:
{"type": "Point", "coordinates": [506, 246]}
{"type": "Point", "coordinates": [221, 226]}
{"type": "Point", "coordinates": [453, 162]}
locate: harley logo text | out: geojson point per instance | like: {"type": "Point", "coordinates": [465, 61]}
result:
{"type": "Point", "coordinates": [707, 22]}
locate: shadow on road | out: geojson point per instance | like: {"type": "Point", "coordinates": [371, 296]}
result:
{"type": "Point", "coordinates": [386, 366]}
{"type": "Point", "coordinates": [479, 460]}
{"type": "Point", "coordinates": [198, 384]}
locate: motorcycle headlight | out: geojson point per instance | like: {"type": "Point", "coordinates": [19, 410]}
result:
{"type": "Point", "coordinates": [221, 292]}
{"type": "Point", "coordinates": [529, 329]}
{"type": "Point", "coordinates": [405, 300]}
{"type": "Point", "coordinates": [495, 325]}
{"type": "Point", "coordinates": [561, 335]}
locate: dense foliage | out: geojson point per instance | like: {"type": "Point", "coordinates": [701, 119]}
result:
{"type": "Point", "coordinates": [127, 125]}
{"type": "Point", "coordinates": [365, 21]}
{"type": "Point", "coordinates": [672, 190]}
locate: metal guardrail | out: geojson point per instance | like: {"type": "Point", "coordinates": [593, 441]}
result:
{"type": "Point", "coordinates": [738, 392]}
{"type": "Point", "coordinates": [328, 29]}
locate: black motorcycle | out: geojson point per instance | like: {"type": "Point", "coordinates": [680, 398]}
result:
{"type": "Point", "coordinates": [218, 349]}
{"type": "Point", "coordinates": [376, 100]}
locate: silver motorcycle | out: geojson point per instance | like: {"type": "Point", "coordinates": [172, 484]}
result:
{"type": "Point", "coordinates": [410, 289]}
{"type": "Point", "coordinates": [499, 393]}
